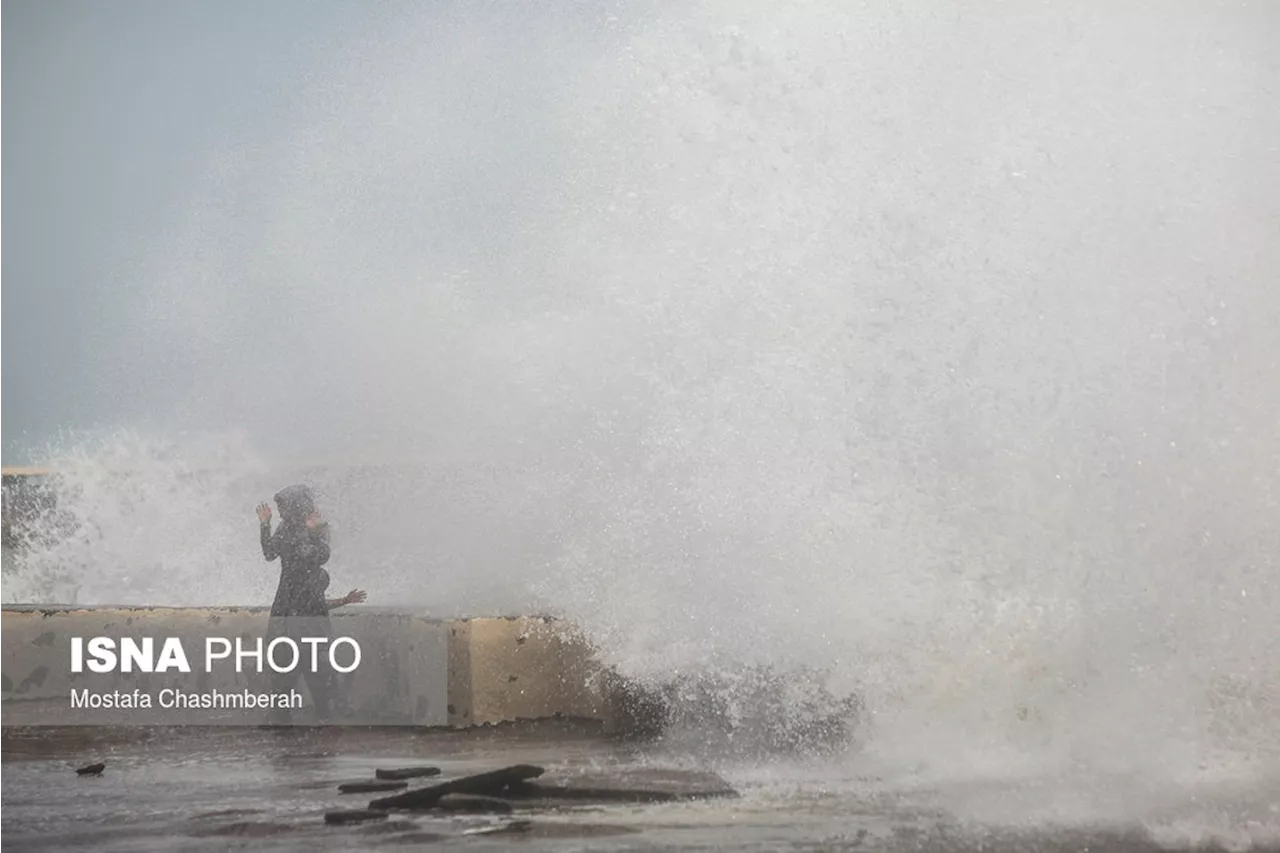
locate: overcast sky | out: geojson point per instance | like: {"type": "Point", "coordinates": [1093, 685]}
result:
{"type": "Point", "coordinates": [460, 227]}
{"type": "Point", "coordinates": [178, 172]}
{"type": "Point", "coordinates": [110, 113]}
{"type": "Point", "coordinates": [714, 288]}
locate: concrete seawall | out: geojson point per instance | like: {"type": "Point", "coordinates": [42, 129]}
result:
{"type": "Point", "coordinates": [415, 670]}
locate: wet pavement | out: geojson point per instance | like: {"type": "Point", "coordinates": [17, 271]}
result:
{"type": "Point", "coordinates": [227, 788]}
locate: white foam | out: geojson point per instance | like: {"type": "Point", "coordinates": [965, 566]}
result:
{"type": "Point", "coordinates": [932, 351]}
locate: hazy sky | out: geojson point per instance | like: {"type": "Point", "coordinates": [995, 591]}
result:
{"type": "Point", "coordinates": [782, 318]}
{"type": "Point", "coordinates": [138, 130]}
{"type": "Point", "coordinates": [111, 111]}
{"type": "Point", "coordinates": [469, 229]}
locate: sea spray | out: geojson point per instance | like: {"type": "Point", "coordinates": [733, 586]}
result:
{"type": "Point", "coordinates": [927, 351]}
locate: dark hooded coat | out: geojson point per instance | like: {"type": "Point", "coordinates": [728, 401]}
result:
{"type": "Point", "coordinates": [303, 552]}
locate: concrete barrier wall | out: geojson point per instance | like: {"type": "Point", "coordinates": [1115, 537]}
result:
{"type": "Point", "coordinates": [526, 668]}
{"type": "Point", "coordinates": [35, 644]}
{"type": "Point", "coordinates": [415, 670]}
{"type": "Point", "coordinates": [401, 680]}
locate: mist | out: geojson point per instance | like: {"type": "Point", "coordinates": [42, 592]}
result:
{"type": "Point", "coordinates": [926, 347]}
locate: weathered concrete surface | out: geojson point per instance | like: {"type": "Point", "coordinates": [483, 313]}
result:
{"type": "Point", "coordinates": [402, 678]}
{"type": "Point", "coordinates": [35, 645]}
{"type": "Point", "coordinates": [415, 670]}
{"type": "Point", "coordinates": [525, 668]}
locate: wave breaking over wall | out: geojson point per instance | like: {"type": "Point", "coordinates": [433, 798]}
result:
{"type": "Point", "coordinates": [931, 352]}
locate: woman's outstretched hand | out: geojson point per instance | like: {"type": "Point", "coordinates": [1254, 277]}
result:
{"type": "Point", "coordinates": [356, 596]}
{"type": "Point", "coordinates": [264, 513]}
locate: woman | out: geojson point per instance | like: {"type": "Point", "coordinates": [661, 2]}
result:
{"type": "Point", "coordinates": [300, 608]}
{"type": "Point", "coordinates": [302, 544]}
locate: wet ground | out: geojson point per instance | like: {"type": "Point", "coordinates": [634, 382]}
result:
{"type": "Point", "coordinates": [217, 789]}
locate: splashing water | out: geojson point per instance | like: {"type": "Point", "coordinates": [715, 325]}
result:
{"type": "Point", "coordinates": [929, 350]}
{"type": "Point", "coordinates": [135, 521]}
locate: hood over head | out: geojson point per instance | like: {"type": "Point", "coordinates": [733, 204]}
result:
{"type": "Point", "coordinates": [296, 503]}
